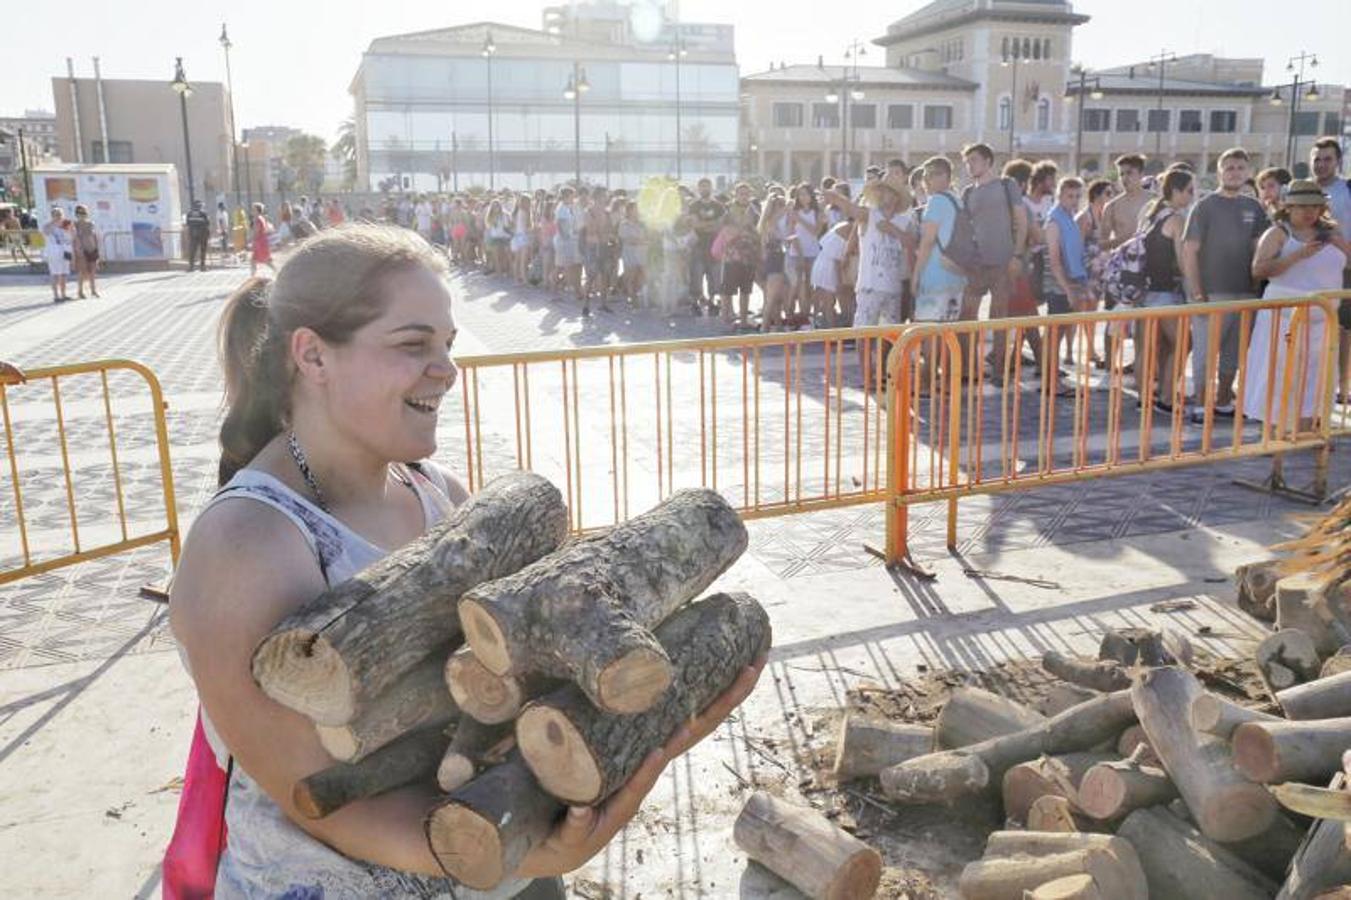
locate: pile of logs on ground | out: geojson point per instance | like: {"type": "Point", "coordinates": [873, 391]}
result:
{"type": "Point", "coordinates": [516, 669]}
{"type": "Point", "coordinates": [1147, 786]}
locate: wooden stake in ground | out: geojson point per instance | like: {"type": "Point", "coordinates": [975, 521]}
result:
{"type": "Point", "coordinates": [1285, 659]}
{"type": "Point", "coordinates": [487, 697]}
{"type": "Point", "coordinates": [970, 771]}
{"type": "Point", "coordinates": [417, 700]}
{"type": "Point", "coordinates": [482, 830]}
{"type": "Point", "coordinates": [1271, 752]}
{"type": "Point", "coordinates": [1211, 714]}
{"type": "Point", "coordinates": [1326, 698]}
{"type": "Point", "coordinates": [805, 849]}
{"type": "Point", "coordinates": [412, 758]}
{"type": "Point", "coordinates": [1045, 776]}
{"type": "Point", "coordinates": [867, 747]}
{"type": "Point", "coordinates": [1110, 790]}
{"type": "Point", "coordinates": [581, 755]}
{"type": "Point", "coordinates": [584, 613]}
{"type": "Point", "coordinates": [1180, 863]}
{"type": "Point", "coordinates": [1100, 675]}
{"type": "Point", "coordinates": [972, 715]}
{"type": "Point", "coordinates": [346, 647]}
{"type": "Point", "coordinates": [1226, 806]}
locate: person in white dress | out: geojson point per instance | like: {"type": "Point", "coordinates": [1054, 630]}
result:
{"type": "Point", "coordinates": [1302, 254]}
{"type": "Point", "coordinates": [58, 252]}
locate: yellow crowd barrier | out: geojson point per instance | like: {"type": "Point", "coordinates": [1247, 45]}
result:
{"type": "Point", "coordinates": [957, 430]}
{"type": "Point", "coordinates": [37, 403]}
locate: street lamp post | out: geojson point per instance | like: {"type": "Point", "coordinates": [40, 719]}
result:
{"type": "Point", "coordinates": [1012, 56]}
{"type": "Point", "coordinates": [184, 91]}
{"type": "Point", "coordinates": [489, 49]}
{"type": "Point", "coordinates": [1161, 61]}
{"type": "Point", "coordinates": [230, 109]}
{"type": "Point", "coordinates": [27, 177]}
{"type": "Point", "coordinates": [248, 176]}
{"type": "Point", "coordinates": [577, 85]}
{"type": "Point", "coordinates": [846, 93]}
{"type": "Point", "coordinates": [1296, 83]}
{"type": "Point", "coordinates": [1079, 95]}
{"type": "Point", "coordinates": [677, 52]}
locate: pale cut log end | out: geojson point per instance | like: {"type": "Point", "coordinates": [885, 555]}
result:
{"type": "Point", "coordinates": [485, 635]}
{"type": "Point", "coordinates": [1243, 812]}
{"type": "Point", "coordinates": [858, 878]}
{"type": "Point", "coordinates": [558, 755]}
{"type": "Point", "coordinates": [455, 770]}
{"type": "Point", "coordinates": [1206, 710]}
{"type": "Point", "coordinates": [1051, 812]}
{"type": "Point", "coordinates": [338, 741]}
{"type": "Point", "coordinates": [468, 846]}
{"type": "Point", "coordinates": [1102, 793]}
{"type": "Point", "coordinates": [299, 670]}
{"type": "Point", "coordinates": [634, 682]}
{"type": "Point", "coordinates": [1255, 753]}
{"type": "Point", "coordinates": [1071, 887]}
{"type": "Point", "coordinates": [305, 802]}
{"type": "Point", "coordinates": [483, 695]}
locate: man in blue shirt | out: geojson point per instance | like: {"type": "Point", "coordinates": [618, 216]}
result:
{"type": "Point", "coordinates": [936, 285]}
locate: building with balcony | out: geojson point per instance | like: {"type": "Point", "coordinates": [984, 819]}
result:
{"type": "Point", "coordinates": [492, 104]}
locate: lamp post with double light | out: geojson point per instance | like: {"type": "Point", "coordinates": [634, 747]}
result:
{"type": "Point", "coordinates": [1012, 56]}
{"type": "Point", "coordinates": [1079, 88]}
{"type": "Point", "coordinates": [1161, 61]}
{"type": "Point", "coordinates": [677, 52]}
{"type": "Point", "coordinates": [577, 85]}
{"type": "Point", "coordinates": [184, 91]}
{"type": "Point", "coordinates": [490, 50]}
{"type": "Point", "coordinates": [842, 95]}
{"type": "Point", "coordinates": [1297, 82]}
{"type": "Point", "coordinates": [230, 109]}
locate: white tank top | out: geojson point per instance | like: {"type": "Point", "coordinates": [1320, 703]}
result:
{"type": "Point", "coordinates": [882, 265]}
{"type": "Point", "coordinates": [1320, 272]}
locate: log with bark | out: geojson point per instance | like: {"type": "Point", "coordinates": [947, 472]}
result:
{"type": "Point", "coordinates": [486, 696]}
{"type": "Point", "coordinates": [473, 747]}
{"type": "Point", "coordinates": [1323, 861]}
{"type": "Point", "coordinates": [1180, 863]}
{"type": "Point", "coordinates": [1111, 790]}
{"type": "Point", "coordinates": [1129, 743]}
{"type": "Point", "coordinates": [951, 775]}
{"type": "Point", "coordinates": [1019, 861]}
{"type": "Point", "coordinates": [483, 829]}
{"type": "Point", "coordinates": [1145, 647]}
{"type": "Point", "coordinates": [972, 715]}
{"type": "Point", "coordinates": [1070, 887]}
{"type": "Point", "coordinates": [339, 652]}
{"type": "Point", "coordinates": [1212, 714]}
{"type": "Point", "coordinates": [1257, 587]}
{"type": "Point", "coordinates": [582, 754]}
{"type": "Point", "coordinates": [410, 759]}
{"type": "Point", "coordinates": [1100, 674]}
{"type": "Point", "coordinates": [1311, 602]}
{"type": "Point", "coordinates": [1326, 698]}
{"type": "Point", "coordinates": [1225, 805]}
{"type": "Point", "coordinates": [585, 612]}
{"type": "Point", "coordinates": [418, 699]}
{"type": "Point", "coordinates": [866, 747]}
{"type": "Point", "coordinates": [1308, 750]}
{"type": "Point", "coordinates": [1271, 851]}
{"type": "Point", "coordinates": [1286, 658]}
{"type": "Point", "coordinates": [798, 844]}
{"type": "Point", "coordinates": [1060, 775]}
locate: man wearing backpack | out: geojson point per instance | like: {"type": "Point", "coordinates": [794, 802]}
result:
{"type": "Point", "coordinates": [996, 208]}
{"type": "Point", "coordinates": [938, 280]}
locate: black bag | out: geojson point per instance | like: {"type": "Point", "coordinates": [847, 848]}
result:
{"type": "Point", "coordinates": [960, 250]}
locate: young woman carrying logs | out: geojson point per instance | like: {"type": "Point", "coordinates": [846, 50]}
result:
{"type": "Point", "coordinates": [334, 373]}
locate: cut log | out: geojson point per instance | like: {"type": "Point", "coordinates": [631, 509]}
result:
{"type": "Point", "coordinates": [417, 700]}
{"type": "Point", "coordinates": [972, 715]}
{"type": "Point", "coordinates": [1212, 714]}
{"type": "Point", "coordinates": [482, 830]}
{"type": "Point", "coordinates": [953, 774]}
{"type": "Point", "coordinates": [1310, 750]}
{"type": "Point", "coordinates": [1326, 698]}
{"type": "Point", "coordinates": [1257, 588]}
{"type": "Point", "coordinates": [1133, 738]}
{"type": "Point", "coordinates": [584, 612]}
{"type": "Point", "coordinates": [488, 697]}
{"type": "Point", "coordinates": [1100, 675]}
{"type": "Point", "coordinates": [1047, 775]}
{"type": "Point", "coordinates": [1055, 813]}
{"type": "Point", "coordinates": [1226, 806]}
{"type": "Point", "coordinates": [867, 747]}
{"type": "Point", "coordinates": [1316, 802]}
{"type": "Point", "coordinates": [1337, 663]}
{"type": "Point", "coordinates": [1180, 863]}
{"type": "Point", "coordinates": [1271, 851]}
{"type": "Point", "coordinates": [473, 747]}
{"type": "Point", "coordinates": [581, 754]}
{"type": "Point", "coordinates": [1285, 659]}
{"type": "Point", "coordinates": [339, 652]}
{"type": "Point", "coordinates": [1323, 861]}
{"type": "Point", "coordinates": [1060, 696]}
{"type": "Point", "coordinates": [1035, 843]}
{"type": "Point", "coordinates": [1071, 887]}
{"type": "Point", "coordinates": [1145, 647]}
{"type": "Point", "coordinates": [817, 857]}
{"type": "Point", "coordinates": [410, 759]}
{"type": "Point", "coordinates": [1304, 602]}
{"type": "Point", "coordinates": [1111, 790]}
{"type": "Point", "coordinates": [1111, 860]}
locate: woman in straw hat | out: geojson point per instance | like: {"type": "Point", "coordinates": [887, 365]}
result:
{"type": "Point", "coordinates": [1301, 254]}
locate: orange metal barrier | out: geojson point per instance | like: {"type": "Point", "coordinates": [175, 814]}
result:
{"type": "Point", "coordinates": [956, 430]}
{"type": "Point", "coordinates": [26, 417]}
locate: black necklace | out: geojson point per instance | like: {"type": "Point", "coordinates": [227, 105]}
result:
{"type": "Point", "coordinates": [303, 465]}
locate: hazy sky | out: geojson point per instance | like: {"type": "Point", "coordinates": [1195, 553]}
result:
{"type": "Point", "coordinates": [293, 59]}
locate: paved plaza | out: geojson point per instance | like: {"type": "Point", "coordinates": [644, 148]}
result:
{"type": "Point", "coordinates": [96, 712]}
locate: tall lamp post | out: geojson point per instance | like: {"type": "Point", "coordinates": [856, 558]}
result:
{"type": "Point", "coordinates": [1078, 95]}
{"type": "Point", "coordinates": [1160, 62]}
{"type": "Point", "coordinates": [677, 52]}
{"type": "Point", "coordinates": [843, 96]}
{"type": "Point", "coordinates": [489, 49]}
{"type": "Point", "coordinates": [1013, 56]}
{"type": "Point", "coordinates": [184, 91]}
{"type": "Point", "coordinates": [230, 109]}
{"type": "Point", "coordinates": [1296, 83]}
{"type": "Point", "coordinates": [577, 85]}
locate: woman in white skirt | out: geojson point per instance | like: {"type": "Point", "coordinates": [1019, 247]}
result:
{"type": "Point", "coordinates": [826, 273]}
{"type": "Point", "coordinates": [1302, 254]}
{"type": "Point", "coordinates": [58, 252]}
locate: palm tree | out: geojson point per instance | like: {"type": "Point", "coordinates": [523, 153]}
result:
{"type": "Point", "coordinates": [345, 149]}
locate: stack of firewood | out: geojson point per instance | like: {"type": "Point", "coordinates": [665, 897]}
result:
{"type": "Point", "coordinates": [1149, 783]}
{"type": "Point", "coordinates": [518, 670]}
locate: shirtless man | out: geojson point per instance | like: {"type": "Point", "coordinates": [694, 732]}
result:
{"type": "Point", "coordinates": [1121, 216]}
